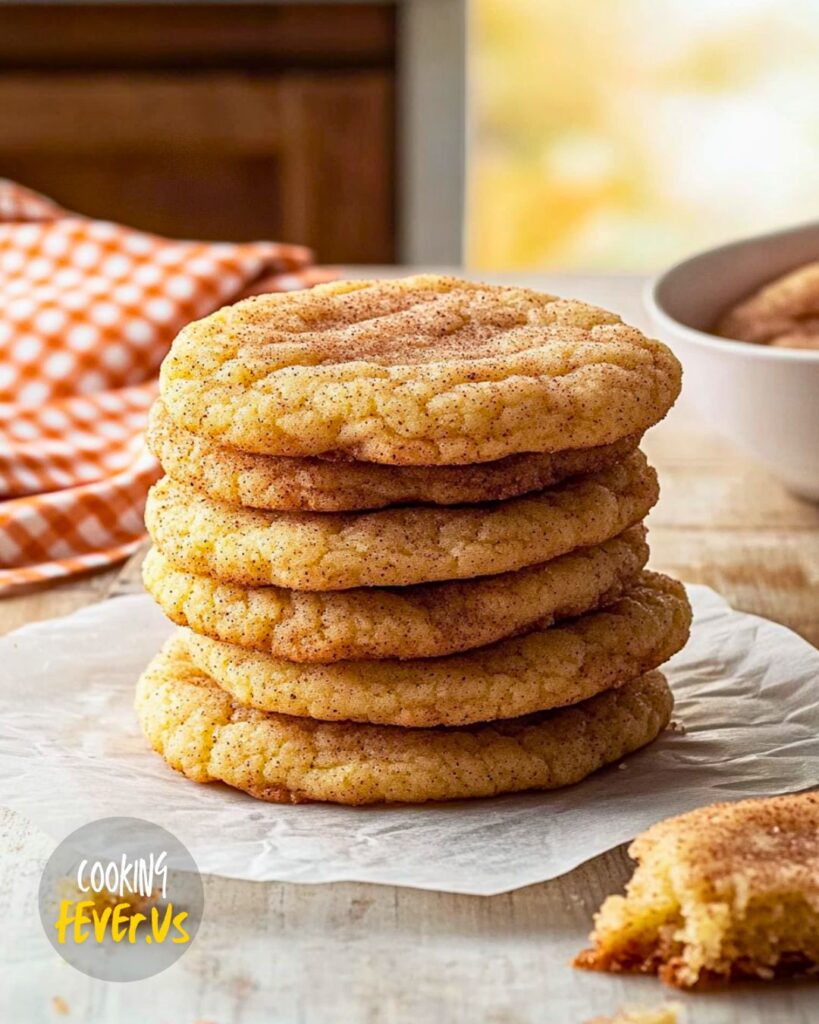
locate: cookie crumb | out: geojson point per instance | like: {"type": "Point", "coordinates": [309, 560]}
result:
{"type": "Point", "coordinates": [670, 1013]}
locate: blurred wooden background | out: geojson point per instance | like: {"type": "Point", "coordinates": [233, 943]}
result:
{"type": "Point", "coordinates": [215, 121]}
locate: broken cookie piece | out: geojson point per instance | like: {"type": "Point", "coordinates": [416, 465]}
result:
{"type": "Point", "coordinates": [727, 891]}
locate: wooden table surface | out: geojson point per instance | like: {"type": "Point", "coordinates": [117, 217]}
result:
{"type": "Point", "coordinates": [361, 954]}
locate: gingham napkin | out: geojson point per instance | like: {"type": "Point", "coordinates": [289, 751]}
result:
{"type": "Point", "coordinates": [87, 311]}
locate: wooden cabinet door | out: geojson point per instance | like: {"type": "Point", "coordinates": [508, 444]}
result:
{"type": "Point", "coordinates": [248, 140]}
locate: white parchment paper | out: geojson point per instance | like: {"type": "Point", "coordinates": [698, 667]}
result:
{"type": "Point", "coordinates": [747, 694]}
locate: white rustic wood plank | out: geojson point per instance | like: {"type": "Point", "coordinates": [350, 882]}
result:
{"type": "Point", "coordinates": [46, 601]}
{"type": "Point", "coordinates": [349, 953]}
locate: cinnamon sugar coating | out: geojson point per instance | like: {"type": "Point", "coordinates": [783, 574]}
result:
{"type": "Point", "coordinates": [201, 732]}
{"type": "Point", "coordinates": [423, 621]}
{"type": "Point", "coordinates": [726, 891]}
{"type": "Point", "coordinates": [395, 547]}
{"type": "Point", "coordinates": [343, 485]}
{"type": "Point", "coordinates": [783, 313]}
{"type": "Point", "coordinates": [425, 370]}
{"type": "Point", "coordinates": [544, 668]}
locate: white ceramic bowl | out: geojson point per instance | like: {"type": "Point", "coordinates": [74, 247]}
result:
{"type": "Point", "coordinates": [765, 400]}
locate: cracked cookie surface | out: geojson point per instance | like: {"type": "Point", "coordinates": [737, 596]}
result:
{"type": "Point", "coordinates": [395, 547]}
{"type": "Point", "coordinates": [545, 668]}
{"type": "Point", "coordinates": [422, 621]}
{"type": "Point", "coordinates": [343, 485]}
{"type": "Point", "coordinates": [425, 370]}
{"type": "Point", "coordinates": [201, 732]}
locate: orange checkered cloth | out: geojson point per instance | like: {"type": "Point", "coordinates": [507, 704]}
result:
{"type": "Point", "coordinates": [87, 311]}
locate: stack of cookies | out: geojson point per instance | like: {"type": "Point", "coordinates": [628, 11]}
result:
{"type": "Point", "coordinates": [401, 528]}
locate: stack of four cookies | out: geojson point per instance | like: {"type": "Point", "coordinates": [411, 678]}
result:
{"type": "Point", "coordinates": [402, 527]}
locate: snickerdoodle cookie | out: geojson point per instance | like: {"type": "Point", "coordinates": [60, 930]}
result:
{"type": "Point", "coordinates": [343, 485]}
{"type": "Point", "coordinates": [423, 621]}
{"type": "Point", "coordinates": [395, 547]}
{"type": "Point", "coordinates": [544, 668]}
{"type": "Point", "coordinates": [783, 313]}
{"type": "Point", "coordinates": [724, 892]}
{"type": "Point", "coordinates": [425, 370]}
{"type": "Point", "coordinates": [200, 731]}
